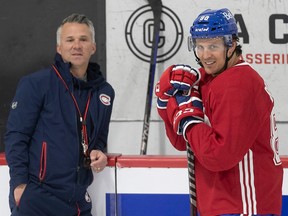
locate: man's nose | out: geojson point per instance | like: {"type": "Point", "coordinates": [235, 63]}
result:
{"type": "Point", "coordinates": [206, 52]}
{"type": "Point", "coordinates": [76, 44]}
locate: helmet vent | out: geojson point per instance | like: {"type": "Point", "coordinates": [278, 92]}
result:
{"type": "Point", "coordinates": [214, 23]}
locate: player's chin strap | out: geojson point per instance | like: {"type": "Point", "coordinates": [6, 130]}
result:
{"type": "Point", "coordinates": [226, 62]}
{"type": "Point", "coordinates": [197, 59]}
{"type": "Point", "coordinates": [228, 58]}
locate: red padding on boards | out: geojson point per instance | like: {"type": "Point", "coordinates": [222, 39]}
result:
{"type": "Point", "coordinates": [155, 161]}
{"type": "Point", "coordinates": [172, 161]}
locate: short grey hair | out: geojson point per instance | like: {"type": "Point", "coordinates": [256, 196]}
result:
{"type": "Point", "coordinates": [76, 18]}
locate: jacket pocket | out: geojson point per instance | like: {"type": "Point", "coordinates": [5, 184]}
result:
{"type": "Point", "coordinates": [43, 160]}
{"type": "Point", "coordinates": [19, 198]}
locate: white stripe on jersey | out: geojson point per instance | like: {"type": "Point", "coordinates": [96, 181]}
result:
{"type": "Point", "coordinates": [246, 171]}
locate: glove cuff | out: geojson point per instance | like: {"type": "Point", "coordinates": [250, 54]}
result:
{"type": "Point", "coordinates": [189, 121]}
{"type": "Point", "coordinates": [162, 103]}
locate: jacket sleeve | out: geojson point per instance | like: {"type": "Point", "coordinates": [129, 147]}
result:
{"type": "Point", "coordinates": [235, 124]}
{"type": "Point", "coordinates": [102, 138]}
{"type": "Point", "coordinates": [21, 123]}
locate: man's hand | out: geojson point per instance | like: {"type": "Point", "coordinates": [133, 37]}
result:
{"type": "Point", "coordinates": [18, 193]}
{"type": "Point", "coordinates": [98, 160]}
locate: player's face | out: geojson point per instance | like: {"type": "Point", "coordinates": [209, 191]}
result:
{"type": "Point", "coordinates": [76, 44]}
{"type": "Point", "coordinates": [212, 54]}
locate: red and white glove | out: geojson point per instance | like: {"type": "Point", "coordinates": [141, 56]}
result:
{"type": "Point", "coordinates": [184, 109]}
{"type": "Point", "coordinates": [184, 77]}
{"type": "Point", "coordinates": [175, 78]}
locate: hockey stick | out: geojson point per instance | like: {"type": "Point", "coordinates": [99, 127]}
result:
{"type": "Point", "coordinates": [192, 181]}
{"type": "Point", "coordinates": [156, 6]}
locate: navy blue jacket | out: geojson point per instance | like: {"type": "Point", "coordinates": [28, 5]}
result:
{"type": "Point", "coordinates": [42, 142]}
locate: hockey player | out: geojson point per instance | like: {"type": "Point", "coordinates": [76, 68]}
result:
{"type": "Point", "coordinates": [237, 166]}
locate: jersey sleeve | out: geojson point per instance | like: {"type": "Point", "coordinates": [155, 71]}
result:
{"type": "Point", "coordinates": [176, 140]}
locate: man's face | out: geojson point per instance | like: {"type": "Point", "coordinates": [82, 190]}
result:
{"type": "Point", "coordinates": [212, 54]}
{"type": "Point", "coordinates": [76, 44]}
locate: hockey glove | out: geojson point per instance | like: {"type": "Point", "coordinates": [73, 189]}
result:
{"type": "Point", "coordinates": [184, 109]}
{"type": "Point", "coordinates": [175, 78]}
{"type": "Point", "coordinates": [184, 77]}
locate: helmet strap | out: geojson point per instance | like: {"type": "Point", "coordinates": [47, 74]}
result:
{"type": "Point", "coordinates": [227, 59]}
{"type": "Point", "coordinates": [197, 59]}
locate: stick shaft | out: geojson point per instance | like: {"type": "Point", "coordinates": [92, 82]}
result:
{"type": "Point", "coordinates": [156, 6]}
{"type": "Point", "coordinates": [192, 181]}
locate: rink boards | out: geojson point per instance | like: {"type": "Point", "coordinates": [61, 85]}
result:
{"type": "Point", "coordinates": [138, 185]}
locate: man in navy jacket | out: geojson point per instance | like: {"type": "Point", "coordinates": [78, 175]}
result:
{"type": "Point", "coordinates": [57, 128]}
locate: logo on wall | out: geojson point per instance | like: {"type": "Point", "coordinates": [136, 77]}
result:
{"type": "Point", "coordinates": [139, 34]}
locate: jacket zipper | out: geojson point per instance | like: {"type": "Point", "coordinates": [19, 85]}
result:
{"type": "Point", "coordinates": [43, 160]}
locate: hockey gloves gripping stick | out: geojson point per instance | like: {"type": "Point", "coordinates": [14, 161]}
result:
{"type": "Point", "coordinates": [179, 105]}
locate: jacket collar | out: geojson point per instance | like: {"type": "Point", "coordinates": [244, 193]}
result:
{"type": "Point", "coordinates": [94, 75]}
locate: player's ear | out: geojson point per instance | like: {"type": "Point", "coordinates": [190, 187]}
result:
{"type": "Point", "coordinates": [232, 48]}
{"type": "Point", "coordinates": [93, 50]}
{"type": "Point", "coordinates": [58, 49]}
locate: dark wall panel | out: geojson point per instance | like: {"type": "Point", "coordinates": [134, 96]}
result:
{"type": "Point", "coordinates": [28, 40]}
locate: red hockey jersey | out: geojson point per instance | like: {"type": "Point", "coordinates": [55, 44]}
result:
{"type": "Point", "coordinates": [237, 166]}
